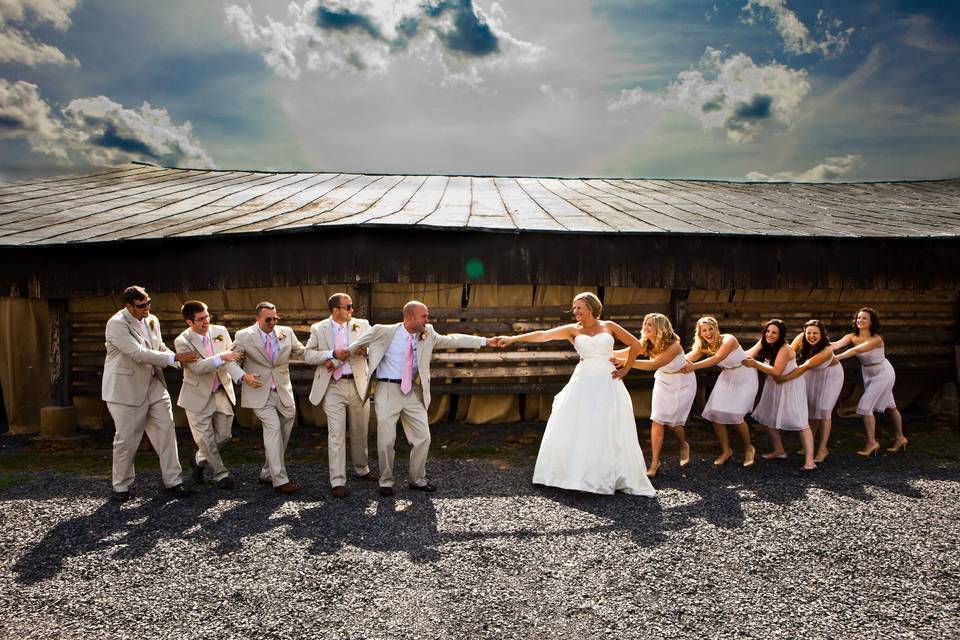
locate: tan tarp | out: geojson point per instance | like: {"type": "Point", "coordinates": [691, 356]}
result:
{"type": "Point", "coordinates": [24, 361]}
{"type": "Point", "coordinates": [493, 408]}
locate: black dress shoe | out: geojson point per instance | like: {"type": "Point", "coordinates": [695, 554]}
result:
{"type": "Point", "coordinates": [225, 483]}
{"type": "Point", "coordinates": [177, 491]}
{"type": "Point", "coordinates": [120, 496]}
{"type": "Point", "coordinates": [197, 470]}
{"type": "Point", "coordinates": [428, 487]}
{"type": "Point", "coordinates": [339, 492]}
{"type": "Point", "coordinates": [386, 491]}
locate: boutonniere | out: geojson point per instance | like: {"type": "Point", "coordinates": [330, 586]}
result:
{"type": "Point", "coordinates": [355, 326]}
{"type": "Point", "coordinates": [153, 325]}
{"type": "Point", "coordinates": [281, 335]}
{"type": "Point", "coordinates": [218, 339]}
{"type": "Point", "coordinates": [423, 335]}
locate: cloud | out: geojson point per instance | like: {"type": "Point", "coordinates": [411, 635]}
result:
{"type": "Point", "coordinates": [18, 46]}
{"type": "Point", "coordinates": [559, 94]}
{"type": "Point", "coordinates": [333, 36]}
{"type": "Point", "coordinates": [24, 114]}
{"type": "Point", "coordinates": [830, 170]}
{"type": "Point", "coordinates": [796, 37]}
{"type": "Point", "coordinates": [920, 32]}
{"type": "Point", "coordinates": [97, 131]}
{"type": "Point", "coordinates": [741, 98]}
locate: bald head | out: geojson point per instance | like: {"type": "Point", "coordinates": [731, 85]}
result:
{"type": "Point", "coordinates": [415, 316]}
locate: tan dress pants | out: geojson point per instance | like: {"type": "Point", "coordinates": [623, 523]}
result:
{"type": "Point", "coordinates": [344, 406]}
{"type": "Point", "coordinates": [277, 424]}
{"type": "Point", "coordinates": [211, 428]}
{"type": "Point", "coordinates": [155, 418]}
{"type": "Point", "coordinates": [409, 409]}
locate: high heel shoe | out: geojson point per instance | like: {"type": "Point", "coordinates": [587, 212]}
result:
{"type": "Point", "coordinates": [871, 451]}
{"type": "Point", "coordinates": [899, 445]}
{"type": "Point", "coordinates": [749, 457]}
{"type": "Point", "coordinates": [722, 460]}
{"type": "Point", "coordinates": [820, 457]}
{"type": "Point", "coordinates": [652, 471]}
{"type": "Point", "coordinates": [774, 456]}
{"type": "Point", "coordinates": [685, 461]}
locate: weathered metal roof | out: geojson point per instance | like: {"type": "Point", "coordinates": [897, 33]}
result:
{"type": "Point", "coordinates": [136, 202]}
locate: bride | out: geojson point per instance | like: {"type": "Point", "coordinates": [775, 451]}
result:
{"type": "Point", "coordinates": [590, 443]}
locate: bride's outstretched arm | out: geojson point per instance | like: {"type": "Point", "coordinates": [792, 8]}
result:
{"type": "Point", "coordinates": [557, 333]}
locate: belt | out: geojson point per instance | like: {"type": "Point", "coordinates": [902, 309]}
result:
{"type": "Point", "coordinates": [875, 364]}
{"type": "Point", "coordinates": [731, 368]}
{"type": "Point", "coordinates": [389, 380]}
{"type": "Point", "coordinates": [348, 376]}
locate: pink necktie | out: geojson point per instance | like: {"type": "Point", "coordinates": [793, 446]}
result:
{"type": "Point", "coordinates": [268, 347]}
{"type": "Point", "coordinates": [406, 382]}
{"type": "Point", "coordinates": [339, 343]}
{"type": "Point", "coordinates": [208, 346]}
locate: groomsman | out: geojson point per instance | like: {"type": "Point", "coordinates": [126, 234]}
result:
{"type": "Point", "coordinates": [207, 393]}
{"type": "Point", "coordinates": [267, 349]}
{"type": "Point", "coordinates": [342, 387]}
{"type": "Point", "coordinates": [399, 358]}
{"type": "Point", "coordinates": [136, 393]}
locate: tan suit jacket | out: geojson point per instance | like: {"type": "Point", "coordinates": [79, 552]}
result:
{"type": "Point", "coordinates": [378, 340]}
{"type": "Point", "coordinates": [248, 343]}
{"type": "Point", "coordinates": [321, 340]}
{"type": "Point", "coordinates": [131, 357]}
{"type": "Point", "coordinates": [198, 375]}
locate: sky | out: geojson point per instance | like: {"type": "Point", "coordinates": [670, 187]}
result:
{"type": "Point", "coordinates": [761, 90]}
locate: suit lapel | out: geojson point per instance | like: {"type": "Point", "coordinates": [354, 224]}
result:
{"type": "Point", "coordinates": [258, 343]}
{"type": "Point", "coordinates": [136, 328]}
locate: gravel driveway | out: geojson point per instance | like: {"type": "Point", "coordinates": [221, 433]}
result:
{"type": "Point", "coordinates": [862, 548]}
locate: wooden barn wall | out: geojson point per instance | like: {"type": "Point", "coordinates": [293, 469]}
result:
{"type": "Point", "coordinates": [527, 282]}
{"type": "Point", "coordinates": [401, 256]}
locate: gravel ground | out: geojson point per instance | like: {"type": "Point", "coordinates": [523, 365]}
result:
{"type": "Point", "coordinates": [865, 548]}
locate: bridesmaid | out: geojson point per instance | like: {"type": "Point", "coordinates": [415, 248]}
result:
{"type": "Point", "coordinates": [823, 376]}
{"type": "Point", "coordinates": [878, 379]}
{"type": "Point", "coordinates": [782, 407]}
{"type": "Point", "coordinates": [673, 390]}
{"type": "Point", "coordinates": [735, 391]}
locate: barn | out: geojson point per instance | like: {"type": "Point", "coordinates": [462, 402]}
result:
{"type": "Point", "coordinates": [489, 255]}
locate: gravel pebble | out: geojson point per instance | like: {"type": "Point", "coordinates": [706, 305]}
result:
{"type": "Point", "coordinates": [859, 548]}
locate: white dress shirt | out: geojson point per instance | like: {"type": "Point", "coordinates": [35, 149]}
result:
{"type": "Point", "coordinates": [391, 367]}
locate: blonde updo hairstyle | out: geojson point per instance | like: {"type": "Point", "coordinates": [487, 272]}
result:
{"type": "Point", "coordinates": [592, 301]}
{"type": "Point", "coordinates": [664, 337]}
{"type": "Point", "coordinates": [701, 345]}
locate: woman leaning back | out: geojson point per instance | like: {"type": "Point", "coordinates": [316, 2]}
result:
{"type": "Point", "coordinates": [782, 407]}
{"type": "Point", "coordinates": [735, 391]}
{"type": "Point", "coordinates": [673, 390]}
{"type": "Point", "coordinates": [878, 378]}
{"type": "Point", "coordinates": [823, 376]}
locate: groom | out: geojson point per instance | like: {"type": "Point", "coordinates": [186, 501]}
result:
{"type": "Point", "coordinates": [399, 358]}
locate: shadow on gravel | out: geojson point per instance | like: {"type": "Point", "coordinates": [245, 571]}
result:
{"type": "Point", "coordinates": [493, 498]}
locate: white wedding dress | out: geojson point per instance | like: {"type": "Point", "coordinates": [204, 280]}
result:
{"type": "Point", "coordinates": [590, 443]}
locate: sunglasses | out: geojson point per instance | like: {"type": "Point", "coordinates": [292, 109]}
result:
{"type": "Point", "coordinates": [142, 305]}
{"type": "Point", "coordinates": [348, 307]}
{"type": "Point", "coordinates": [272, 320]}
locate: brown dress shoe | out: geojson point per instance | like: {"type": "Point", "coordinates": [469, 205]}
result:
{"type": "Point", "coordinates": [386, 491]}
{"type": "Point", "coordinates": [286, 489]}
{"type": "Point", "coordinates": [370, 476]}
{"type": "Point", "coordinates": [339, 492]}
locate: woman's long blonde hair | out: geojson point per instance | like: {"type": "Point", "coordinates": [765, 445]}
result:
{"type": "Point", "coordinates": [664, 337]}
{"type": "Point", "coordinates": [699, 344]}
